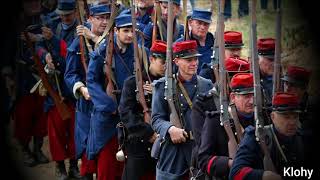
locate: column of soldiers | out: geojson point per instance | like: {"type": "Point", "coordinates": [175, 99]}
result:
{"type": "Point", "coordinates": [152, 110]}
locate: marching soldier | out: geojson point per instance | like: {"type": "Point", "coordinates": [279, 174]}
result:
{"type": "Point", "coordinates": [144, 12]}
{"type": "Point", "coordinates": [266, 49]}
{"type": "Point", "coordinates": [283, 140]}
{"type": "Point", "coordinates": [75, 78]}
{"type": "Point", "coordinates": [199, 22]}
{"type": "Point", "coordinates": [178, 29]}
{"type": "Point", "coordinates": [177, 143]}
{"type": "Point", "coordinates": [233, 46]}
{"type": "Point", "coordinates": [140, 135]}
{"type": "Point", "coordinates": [211, 150]}
{"type": "Point", "coordinates": [52, 50]}
{"type": "Point", "coordinates": [30, 120]}
{"type": "Point", "coordinates": [102, 142]}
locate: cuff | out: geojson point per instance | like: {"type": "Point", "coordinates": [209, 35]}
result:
{"type": "Point", "coordinates": [75, 89]}
{"type": "Point", "coordinates": [218, 166]}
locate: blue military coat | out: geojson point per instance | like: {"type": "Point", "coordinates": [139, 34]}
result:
{"type": "Point", "coordinates": [103, 122]}
{"type": "Point", "coordinates": [174, 161]}
{"type": "Point", "coordinates": [74, 78]}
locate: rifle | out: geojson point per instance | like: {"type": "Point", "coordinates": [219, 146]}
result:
{"type": "Point", "coordinates": [58, 101]}
{"type": "Point", "coordinates": [169, 84]}
{"type": "Point", "coordinates": [138, 73]}
{"type": "Point", "coordinates": [224, 115]}
{"type": "Point", "coordinates": [215, 53]}
{"type": "Point", "coordinates": [110, 48]}
{"type": "Point", "coordinates": [82, 39]}
{"type": "Point", "coordinates": [277, 86]}
{"type": "Point", "coordinates": [186, 29]}
{"type": "Point", "coordinates": [259, 132]}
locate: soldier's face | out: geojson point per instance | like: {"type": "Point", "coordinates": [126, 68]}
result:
{"type": "Point", "coordinates": [99, 23]}
{"type": "Point", "coordinates": [164, 10]}
{"type": "Point", "coordinates": [124, 35]}
{"type": "Point", "coordinates": [232, 52]}
{"type": "Point", "coordinates": [144, 3]}
{"type": "Point", "coordinates": [157, 66]}
{"type": "Point", "coordinates": [187, 66]}
{"type": "Point", "coordinates": [199, 28]}
{"type": "Point", "coordinates": [68, 18]}
{"type": "Point", "coordinates": [266, 66]}
{"type": "Point", "coordinates": [243, 102]}
{"type": "Point", "coordinates": [285, 123]}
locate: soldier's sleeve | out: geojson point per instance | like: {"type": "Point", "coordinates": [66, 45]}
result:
{"type": "Point", "coordinates": [95, 84]}
{"type": "Point", "coordinates": [128, 109]}
{"type": "Point", "coordinates": [160, 114]}
{"type": "Point", "coordinates": [248, 162]}
{"type": "Point", "coordinates": [74, 76]}
{"type": "Point", "coordinates": [210, 162]}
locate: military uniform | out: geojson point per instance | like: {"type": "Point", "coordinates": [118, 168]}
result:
{"type": "Point", "coordinates": [75, 78]}
{"type": "Point", "coordinates": [102, 142]}
{"type": "Point", "coordinates": [175, 159]}
{"type": "Point", "coordinates": [60, 132]}
{"type": "Point", "coordinates": [248, 163]}
{"type": "Point", "coordinates": [211, 151]}
{"type": "Point", "coordinates": [139, 163]}
{"type": "Point", "coordinates": [178, 30]}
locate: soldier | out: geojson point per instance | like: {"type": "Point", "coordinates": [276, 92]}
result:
{"type": "Point", "coordinates": [211, 152]}
{"type": "Point", "coordinates": [233, 46]}
{"type": "Point", "coordinates": [75, 79]}
{"type": "Point", "coordinates": [52, 50]}
{"type": "Point", "coordinates": [178, 29]}
{"type": "Point", "coordinates": [144, 12]}
{"type": "Point", "coordinates": [283, 140]}
{"type": "Point", "coordinates": [266, 49]}
{"type": "Point", "coordinates": [102, 140]}
{"type": "Point", "coordinates": [199, 22]}
{"type": "Point", "coordinates": [176, 146]}
{"type": "Point", "coordinates": [140, 135]}
{"type": "Point", "coordinates": [30, 120]}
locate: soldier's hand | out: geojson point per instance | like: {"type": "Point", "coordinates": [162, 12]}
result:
{"type": "Point", "coordinates": [33, 37]}
{"type": "Point", "coordinates": [147, 87]}
{"type": "Point", "coordinates": [153, 137]}
{"type": "Point", "coordinates": [230, 162]}
{"type": "Point", "coordinates": [47, 33]}
{"type": "Point", "coordinates": [84, 31]}
{"type": "Point", "coordinates": [49, 61]}
{"type": "Point", "coordinates": [85, 93]}
{"type": "Point", "coordinates": [269, 175]}
{"type": "Point", "coordinates": [177, 135]}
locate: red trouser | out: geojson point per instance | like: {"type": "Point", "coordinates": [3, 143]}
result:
{"type": "Point", "coordinates": [87, 166]}
{"type": "Point", "coordinates": [30, 119]}
{"type": "Point", "coordinates": [61, 134]}
{"type": "Point", "coordinates": [108, 166]}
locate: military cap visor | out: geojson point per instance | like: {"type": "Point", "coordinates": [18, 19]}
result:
{"type": "Point", "coordinates": [243, 91]}
{"type": "Point", "coordinates": [64, 12]}
{"type": "Point", "coordinates": [300, 83]}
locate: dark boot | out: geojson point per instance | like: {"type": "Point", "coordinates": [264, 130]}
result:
{"type": "Point", "coordinates": [73, 169]}
{"type": "Point", "coordinates": [28, 158]}
{"type": "Point", "coordinates": [38, 154]}
{"type": "Point", "coordinates": [61, 172]}
{"type": "Point", "coordinates": [87, 177]}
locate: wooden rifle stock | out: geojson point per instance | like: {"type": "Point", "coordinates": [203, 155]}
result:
{"type": "Point", "coordinates": [277, 86]}
{"type": "Point", "coordinates": [83, 56]}
{"type": "Point", "coordinates": [224, 115]}
{"type": "Point", "coordinates": [186, 29]}
{"type": "Point", "coordinates": [155, 20]}
{"type": "Point", "coordinates": [259, 132]}
{"type": "Point", "coordinates": [58, 101]}
{"type": "Point", "coordinates": [138, 73]}
{"type": "Point", "coordinates": [109, 57]}
{"type": "Point", "coordinates": [169, 96]}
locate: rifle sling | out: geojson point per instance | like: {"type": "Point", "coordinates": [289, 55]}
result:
{"type": "Point", "coordinates": [185, 94]}
{"type": "Point", "coordinates": [278, 144]}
